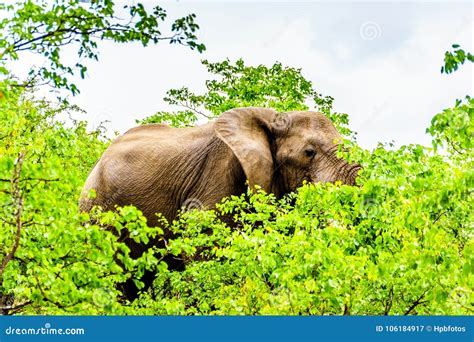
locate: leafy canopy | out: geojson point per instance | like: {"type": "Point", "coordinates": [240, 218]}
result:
{"type": "Point", "coordinates": [234, 85]}
{"type": "Point", "coordinates": [45, 27]}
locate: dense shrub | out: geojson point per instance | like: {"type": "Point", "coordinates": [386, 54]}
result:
{"type": "Point", "coordinates": [400, 242]}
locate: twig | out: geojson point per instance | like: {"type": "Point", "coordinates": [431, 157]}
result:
{"type": "Point", "coordinates": [188, 106]}
{"type": "Point", "coordinates": [13, 309]}
{"type": "Point", "coordinates": [17, 195]}
{"type": "Point", "coordinates": [417, 302]}
{"type": "Point", "coordinates": [58, 304]}
{"type": "Point", "coordinates": [439, 216]}
{"type": "Point", "coordinates": [389, 302]}
{"type": "Point", "coordinates": [31, 179]}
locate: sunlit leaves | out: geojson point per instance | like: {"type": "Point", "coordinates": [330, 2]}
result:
{"type": "Point", "coordinates": [400, 242]}
{"type": "Point", "coordinates": [396, 245]}
{"type": "Point", "coordinates": [185, 118]}
{"type": "Point", "coordinates": [46, 28]}
{"type": "Point", "coordinates": [454, 127]}
{"type": "Point", "coordinates": [239, 85]}
{"type": "Point", "coordinates": [452, 60]}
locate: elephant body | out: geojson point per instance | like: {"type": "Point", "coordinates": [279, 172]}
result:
{"type": "Point", "coordinates": [160, 169]}
{"type": "Point", "coordinates": [191, 168]}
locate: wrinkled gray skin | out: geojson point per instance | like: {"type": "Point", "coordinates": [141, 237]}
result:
{"type": "Point", "coordinates": [160, 169]}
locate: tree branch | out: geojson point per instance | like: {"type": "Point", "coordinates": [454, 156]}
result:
{"type": "Point", "coordinates": [188, 106]}
{"type": "Point", "coordinates": [389, 302]}
{"type": "Point", "coordinates": [31, 179]}
{"type": "Point", "coordinates": [417, 302]}
{"type": "Point", "coordinates": [8, 310]}
{"type": "Point", "coordinates": [18, 198]}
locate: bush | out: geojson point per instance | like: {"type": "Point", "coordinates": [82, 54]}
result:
{"type": "Point", "coordinates": [400, 242]}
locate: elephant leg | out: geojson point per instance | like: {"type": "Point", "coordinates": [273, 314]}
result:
{"type": "Point", "coordinates": [130, 291]}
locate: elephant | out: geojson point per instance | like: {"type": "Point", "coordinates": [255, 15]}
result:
{"type": "Point", "coordinates": [161, 169]}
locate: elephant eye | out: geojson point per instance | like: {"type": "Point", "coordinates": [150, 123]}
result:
{"type": "Point", "coordinates": [309, 152]}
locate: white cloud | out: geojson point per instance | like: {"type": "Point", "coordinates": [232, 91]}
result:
{"type": "Point", "coordinates": [391, 86]}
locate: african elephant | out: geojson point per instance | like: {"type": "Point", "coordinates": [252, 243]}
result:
{"type": "Point", "coordinates": [160, 169]}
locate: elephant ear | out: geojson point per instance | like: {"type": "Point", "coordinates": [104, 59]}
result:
{"type": "Point", "coordinates": [246, 131]}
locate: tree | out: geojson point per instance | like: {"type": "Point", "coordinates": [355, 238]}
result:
{"type": "Point", "coordinates": [50, 260]}
{"type": "Point", "coordinates": [44, 28]}
{"type": "Point", "coordinates": [234, 85]}
{"type": "Point", "coordinates": [43, 161]}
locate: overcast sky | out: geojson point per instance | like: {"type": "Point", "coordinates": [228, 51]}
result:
{"type": "Point", "coordinates": [380, 61]}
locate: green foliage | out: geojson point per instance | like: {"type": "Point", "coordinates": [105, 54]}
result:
{"type": "Point", "coordinates": [454, 127]}
{"type": "Point", "coordinates": [452, 60]}
{"type": "Point", "coordinates": [237, 85]}
{"type": "Point", "coordinates": [401, 242]}
{"type": "Point", "coordinates": [63, 262]}
{"type": "Point", "coordinates": [42, 197]}
{"type": "Point", "coordinates": [184, 118]}
{"type": "Point", "coordinates": [44, 28]}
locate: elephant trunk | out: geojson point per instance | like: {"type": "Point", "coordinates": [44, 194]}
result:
{"type": "Point", "coordinates": [350, 173]}
{"type": "Point", "coordinates": [344, 171]}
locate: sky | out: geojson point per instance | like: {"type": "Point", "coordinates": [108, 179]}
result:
{"type": "Point", "coordinates": [380, 60]}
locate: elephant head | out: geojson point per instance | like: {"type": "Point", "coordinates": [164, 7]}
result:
{"type": "Point", "coordinates": [279, 151]}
